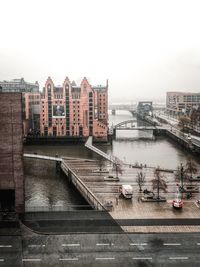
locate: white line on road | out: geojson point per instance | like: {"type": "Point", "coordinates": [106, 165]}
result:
{"type": "Point", "coordinates": [31, 259]}
{"type": "Point", "coordinates": [198, 244]}
{"type": "Point", "coordinates": [1, 260]}
{"type": "Point", "coordinates": [104, 244]}
{"type": "Point", "coordinates": [70, 245]}
{"type": "Point", "coordinates": [5, 246]}
{"type": "Point", "coordinates": [146, 258]}
{"type": "Point", "coordinates": [104, 258]}
{"type": "Point", "coordinates": [171, 244]}
{"type": "Point", "coordinates": [138, 244]}
{"type": "Point", "coordinates": [68, 259]}
{"type": "Point", "coordinates": [178, 258]}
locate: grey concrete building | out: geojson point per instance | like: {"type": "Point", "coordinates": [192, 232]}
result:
{"type": "Point", "coordinates": [180, 103]}
{"type": "Point", "coordinates": [18, 86]}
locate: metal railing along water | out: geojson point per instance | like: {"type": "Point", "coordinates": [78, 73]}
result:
{"type": "Point", "coordinates": [36, 156]}
{"type": "Point", "coordinates": [83, 189]}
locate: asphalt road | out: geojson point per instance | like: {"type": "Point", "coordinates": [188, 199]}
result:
{"type": "Point", "coordinates": [140, 250]}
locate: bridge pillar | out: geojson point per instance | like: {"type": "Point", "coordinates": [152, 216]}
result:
{"type": "Point", "coordinates": [58, 166]}
{"type": "Point", "coordinates": [114, 133]}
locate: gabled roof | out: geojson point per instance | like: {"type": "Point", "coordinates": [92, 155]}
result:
{"type": "Point", "coordinates": [73, 83]}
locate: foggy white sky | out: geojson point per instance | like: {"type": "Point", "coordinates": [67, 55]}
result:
{"type": "Point", "coordinates": [143, 47]}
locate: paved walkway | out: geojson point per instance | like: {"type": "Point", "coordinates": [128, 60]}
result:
{"type": "Point", "coordinates": [162, 229]}
{"type": "Point", "coordinates": [129, 209]}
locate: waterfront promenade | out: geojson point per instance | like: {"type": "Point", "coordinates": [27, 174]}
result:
{"type": "Point", "coordinates": [135, 213]}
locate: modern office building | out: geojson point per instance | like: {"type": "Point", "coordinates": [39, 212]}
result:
{"type": "Point", "coordinates": [71, 110]}
{"type": "Point", "coordinates": [180, 103]}
{"type": "Point", "coordinates": [11, 153]}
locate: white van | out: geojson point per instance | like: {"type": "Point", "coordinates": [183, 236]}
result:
{"type": "Point", "coordinates": [127, 191]}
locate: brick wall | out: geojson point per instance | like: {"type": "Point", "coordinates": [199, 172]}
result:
{"type": "Point", "coordinates": [11, 147]}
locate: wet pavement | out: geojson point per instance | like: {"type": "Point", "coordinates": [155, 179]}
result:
{"type": "Point", "coordinates": [32, 250]}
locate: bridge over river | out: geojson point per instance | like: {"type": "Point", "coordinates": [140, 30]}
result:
{"type": "Point", "coordinates": [192, 144]}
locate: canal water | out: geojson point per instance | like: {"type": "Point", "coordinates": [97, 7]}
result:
{"type": "Point", "coordinates": [46, 189]}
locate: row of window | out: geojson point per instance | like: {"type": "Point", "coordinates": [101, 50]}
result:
{"type": "Point", "coordinates": [34, 102]}
{"type": "Point", "coordinates": [58, 96]}
{"type": "Point", "coordinates": [102, 95]}
{"type": "Point", "coordinates": [99, 133]}
{"type": "Point", "coordinates": [98, 124]}
{"type": "Point", "coordinates": [34, 96]}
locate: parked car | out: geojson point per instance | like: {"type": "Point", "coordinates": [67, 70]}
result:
{"type": "Point", "coordinates": [111, 178]}
{"type": "Point", "coordinates": [177, 203]}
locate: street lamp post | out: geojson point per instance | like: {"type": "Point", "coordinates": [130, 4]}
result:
{"type": "Point", "coordinates": [181, 174]}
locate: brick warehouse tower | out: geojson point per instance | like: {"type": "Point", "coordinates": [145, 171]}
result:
{"type": "Point", "coordinates": [11, 153]}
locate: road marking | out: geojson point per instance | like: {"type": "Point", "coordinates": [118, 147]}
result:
{"type": "Point", "coordinates": [171, 244]}
{"type": "Point", "coordinates": [70, 245]}
{"type": "Point", "coordinates": [146, 258]}
{"type": "Point", "coordinates": [178, 258]}
{"type": "Point", "coordinates": [138, 244]}
{"type": "Point", "coordinates": [1, 260]}
{"type": "Point", "coordinates": [104, 244]}
{"type": "Point", "coordinates": [31, 259]}
{"type": "Point", "coordinates": [5, 246]}
{"type": "Point", "coordinates": [36, 246]}
{"type": "Point", "coordinates": [198, 244]}
{"type": "Point", "coordinates": [104, 258]}
{"type": "Point", "coordinates": [68, 259]}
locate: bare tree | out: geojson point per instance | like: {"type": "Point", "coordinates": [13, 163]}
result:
{"type": "Point", "coordinates": [182, 176]}
{"type": "Point", "coordinates": [158, 183]}
{"type": "Point", "coordinates": [190, 168]}
{"type": "Point", "coordinates": [101, 163]}
{"type": "Point", "coordinates": [184, 121]}
{"type": "Point", "coordinates": [195, 116]}
{"type": "Point", "coordinates": [140, 180]}
{"type": "Point", "coordinates": [117, 167]}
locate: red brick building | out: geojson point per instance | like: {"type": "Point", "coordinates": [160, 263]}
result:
{"type": "Point", "coordinates": [71, 110]}
{"type": "Point", "coordinates": [11, 153]}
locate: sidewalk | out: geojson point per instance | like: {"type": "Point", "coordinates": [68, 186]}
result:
{"type": "Point", "coordinates": [10, 228]}
{"type": "Point", "coordinates": [152, 210]}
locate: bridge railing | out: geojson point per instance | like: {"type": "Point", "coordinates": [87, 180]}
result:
{"type": "Point", "coordinates": [89, 145]}
{"type": "Point", "coordinates": [82, 188]}
{"type": "Point", "coordinates": [36, 156]}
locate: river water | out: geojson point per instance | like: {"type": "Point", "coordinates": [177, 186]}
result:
{"type": "Point", "coordinates": [46, 188]}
